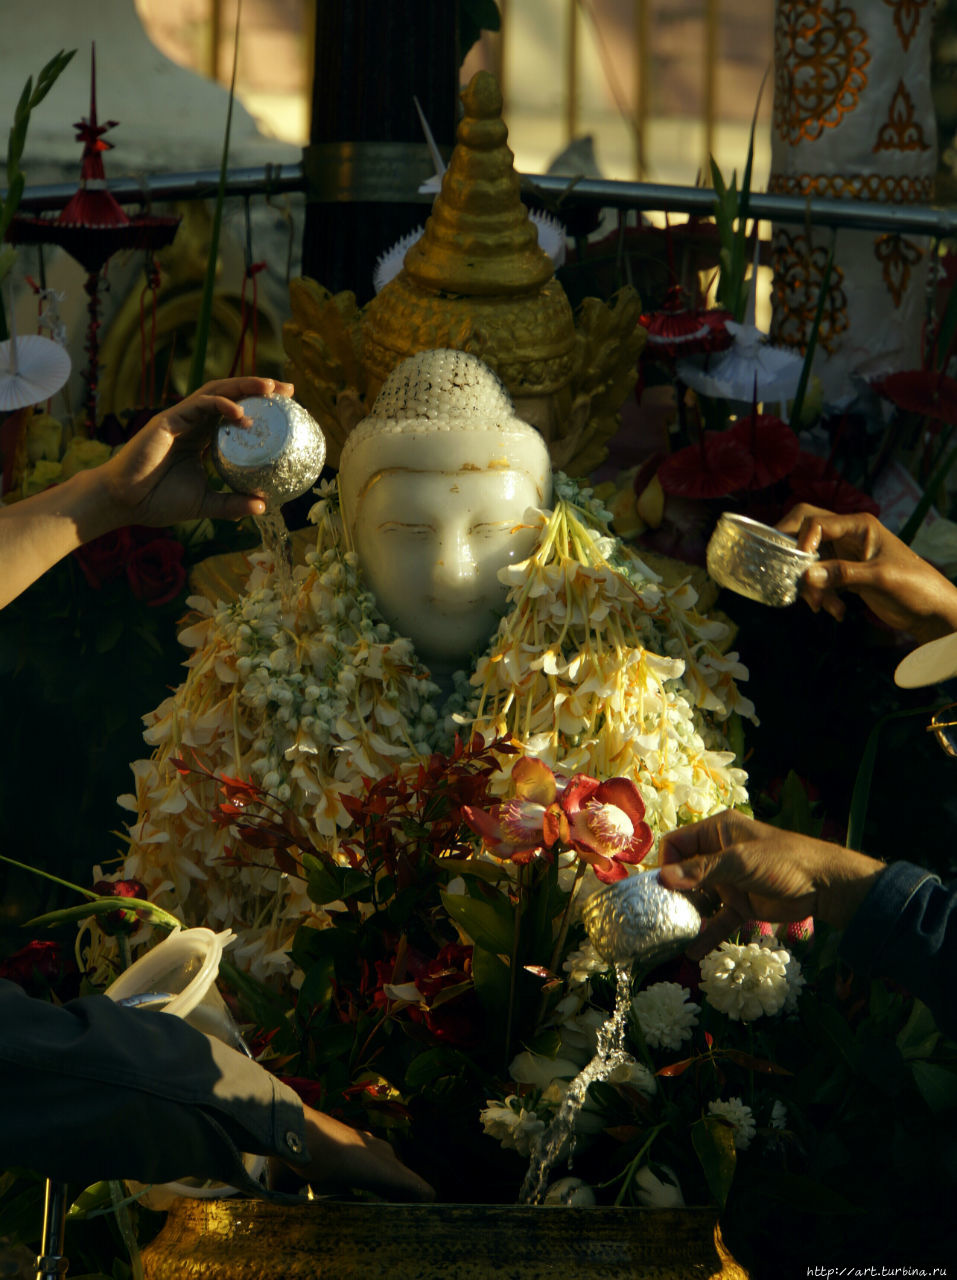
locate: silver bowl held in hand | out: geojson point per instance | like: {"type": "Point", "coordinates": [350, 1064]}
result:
{"type": "Point", "coordinates": [756, 561]}
{"type": "Point", "coordinates": [278, 457]}
{"type": "Point", "coordinates": [638, 919]}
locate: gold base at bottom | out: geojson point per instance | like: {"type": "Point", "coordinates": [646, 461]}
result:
{"type": "Point", "coordinates": [325, 1240]}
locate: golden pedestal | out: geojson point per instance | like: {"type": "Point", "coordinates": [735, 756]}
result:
{"type": "Point", "coordinates": [252, 1240]}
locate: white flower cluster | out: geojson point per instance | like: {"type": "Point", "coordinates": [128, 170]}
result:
{"type": "Point", "coordinates": [739, 1115]}
{"type": "Point", "coordinates": [746, 982]}
{"type": "Point", "coordinates": [513, 1126]}
{"type": "Point", "coordinates": [666, 1014]}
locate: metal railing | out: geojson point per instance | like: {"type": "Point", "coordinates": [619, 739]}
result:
{"type": "Point", "coordinates": [560, 192]}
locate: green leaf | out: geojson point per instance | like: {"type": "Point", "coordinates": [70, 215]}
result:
{"type": "Point", "coordinates": [489, 924]}
{"type": "Point", "coordinates": [713, 1141]}
{"type": "Point", "coordinates": [491, 976]}
{"type": "Point", "coordinates": [431, 1065]}
{"type": "Point", "coordinates": [919, 1036]}
{"type": "Point", "coordinates": [860, 797]}
{"type": "Point", "coordinates": [797, 404]}
{"type": "Point", "coordinates": [318, 985]}
{"type": "Point", "coordinates": [937, 1085]}
{"type": "Point", "coordinates": [796, 813]}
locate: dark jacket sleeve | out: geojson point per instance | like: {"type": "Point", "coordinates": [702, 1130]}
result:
{"type": "Point", "coordinates": [90, 1090]}
{"type": "Point", "coordinates": [906, 930]}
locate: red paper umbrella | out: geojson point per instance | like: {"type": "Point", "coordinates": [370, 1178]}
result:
{"type": "Point", "coordinates": [715, 466]}
{"type": "Point", "coordinates": [91, 228]}
{"type": "Point", "coordinates": [678, 330]}
{"type": "Point", "coordinates": [815, 482]}
{"type": "Point", "coordinates": [773, 447]}
{"type": "Point", "coordinates": [923, 391]}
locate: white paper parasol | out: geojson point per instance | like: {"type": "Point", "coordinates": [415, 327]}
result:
{"type": "Point", "coordinates": [31, 369]}
{"type": "Point", "coordinates": [750, 369]}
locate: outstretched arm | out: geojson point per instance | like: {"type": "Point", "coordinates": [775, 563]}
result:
{"type": "Point", "coordinates": [762, 873]}
{"type": "Point", "coordinates": [858, 554]}
{"type": "Point", "coordinates": [156, 479]}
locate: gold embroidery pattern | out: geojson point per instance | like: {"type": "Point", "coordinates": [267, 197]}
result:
{"type": "Point", "coordinates": [880, 187]}
{"type": "Point", "coordinates": [901, 132]}
{"type": "Point", "coordinates": [821, 60]}
{"type": "Point", "coordinates": [897, 257]}
{"type": "Point", "coordinates": [798, 271]}
{"type": "Point", "coordinates": [907, 16]}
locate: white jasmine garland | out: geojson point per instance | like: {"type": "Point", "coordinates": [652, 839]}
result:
{"type": "Point", "coordinates": [746, 981]}
{"type": "Point", "coordinates": [666, 1014]}
{"type": "Point", "coordinates": [739, 1116]}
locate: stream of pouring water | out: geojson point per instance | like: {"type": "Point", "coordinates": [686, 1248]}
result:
{"type": "Point", "coordinates": [559, 1138]}
{"type": "Point", "coordinates": [275, 535]}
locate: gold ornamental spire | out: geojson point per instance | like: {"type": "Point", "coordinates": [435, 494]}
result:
{"type": "Point", "coordinates": [479, 239]}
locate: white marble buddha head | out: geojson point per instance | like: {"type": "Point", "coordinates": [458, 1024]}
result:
{"type": "Point", "coordinates": [435, 483]}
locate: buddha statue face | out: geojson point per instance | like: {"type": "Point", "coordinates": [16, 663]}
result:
{"type": "Point", "coordinates": [435, 485]}
{"type": "Point", "coordinates": [431, 544]}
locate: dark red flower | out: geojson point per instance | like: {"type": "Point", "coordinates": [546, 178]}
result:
{"type": "Point", "coordinates": [36, 967]}
{"type": "Point", "coordinates": [105, 558]}
{"type": "Point", "coordinates": [679, 330]}
{"type": "Point", "coordinates": [606, 824]}
{"type": "Point", "coordinates": [454, 1018]}
{"type": "Point", "coordinates": [120, 921]}
{"type": "Point", "coordinates": [155, 569]}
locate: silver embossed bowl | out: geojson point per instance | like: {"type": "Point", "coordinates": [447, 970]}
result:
{"type": "Point", "coordinates": [639, 919]}
{"type": "Point", "coordinates": [278, 457]}
{"type": "Point", "coordinates": [756, 561]}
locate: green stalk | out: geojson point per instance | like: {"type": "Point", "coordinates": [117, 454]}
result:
{"type": "Point", "coordinates": [916, 517]}
{"type": "Point", "coordinates": [797, 404]}
{"type": "Point", "coordinates": [198, 365]}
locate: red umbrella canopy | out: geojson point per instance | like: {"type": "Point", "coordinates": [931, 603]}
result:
{"type": "Point", "coordinates": [679, 330]}
{"type": "Point", "coordinates": [923, 391]}
{"type": "Point", "coordinates": [773, 447]}
{"type": "Point", "coordinates": [715, 466]}
{"type": "Point", "coordinates": [815, 482]}
{"type": "Point", "coordinates": [93, 226]}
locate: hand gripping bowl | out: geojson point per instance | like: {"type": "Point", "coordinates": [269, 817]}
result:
{"type": "Point", "coordinates": [638, 919]}
{"type": "Point", "coordinates": [179, 977]}
{"type": "Point", "coordinates": [278, 457]}
{"type": "Point", "coordinates": [756, 561]}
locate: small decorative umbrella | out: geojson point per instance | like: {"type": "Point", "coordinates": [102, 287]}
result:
{"type": "Point", "coordinates": [679, 330]}
{"type": "Point", "coordinates": [91, 228]}
{"type": "Point", "coordinates": [773, 446]}
{"type": "Point", "coordinates": [31, 369]}
{"type": "Point", "coordinates": [717, 465]}
{"type": "Point", "coordinates": [750, 366]}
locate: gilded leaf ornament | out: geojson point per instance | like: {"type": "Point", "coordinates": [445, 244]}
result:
{"type": "Point", "coordinates": [821, 58]}
{"type": "Point", "coordinates": [901, 131]}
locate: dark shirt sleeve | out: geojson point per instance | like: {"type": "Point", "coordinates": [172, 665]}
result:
{"type": "Point", "coordinates": [906, 930]}
{"type": "Point", "coordinates": [90, 1090]}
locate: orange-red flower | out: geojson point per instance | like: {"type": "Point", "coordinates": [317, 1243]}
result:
{"type": "Point", "coordinates": [606, 824]}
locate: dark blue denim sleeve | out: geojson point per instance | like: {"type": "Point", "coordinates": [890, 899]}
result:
{"type": "Point", "coordinates": [89, 1090]}
{"type": "Point", "coordinates": [906, 930]}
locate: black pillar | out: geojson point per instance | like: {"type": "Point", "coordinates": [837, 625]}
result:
{"type": "Point", "coordinates": [367, 152]}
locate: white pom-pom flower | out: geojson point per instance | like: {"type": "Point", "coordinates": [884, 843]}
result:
{"type": "Point", "coordinates": [746, 981]}
{"type": "Point", "coordinates": [739, 1115]}
{"type": "Point", "coordinates": [665, 1014]}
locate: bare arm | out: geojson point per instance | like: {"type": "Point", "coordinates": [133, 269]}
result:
{"type": "Point", "coordinates": [156, 479]}
{"type": "Point", "coordinates": [341, 1157]}
{"type": "Point", "coordinates": [858, 554]}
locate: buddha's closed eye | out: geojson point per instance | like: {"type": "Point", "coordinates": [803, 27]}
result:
{"type": "Point", "coordinates": [399, 528]}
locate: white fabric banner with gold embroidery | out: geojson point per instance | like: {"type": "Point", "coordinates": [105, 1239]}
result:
{"type": "Point", "coordinates": [853, 118]}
